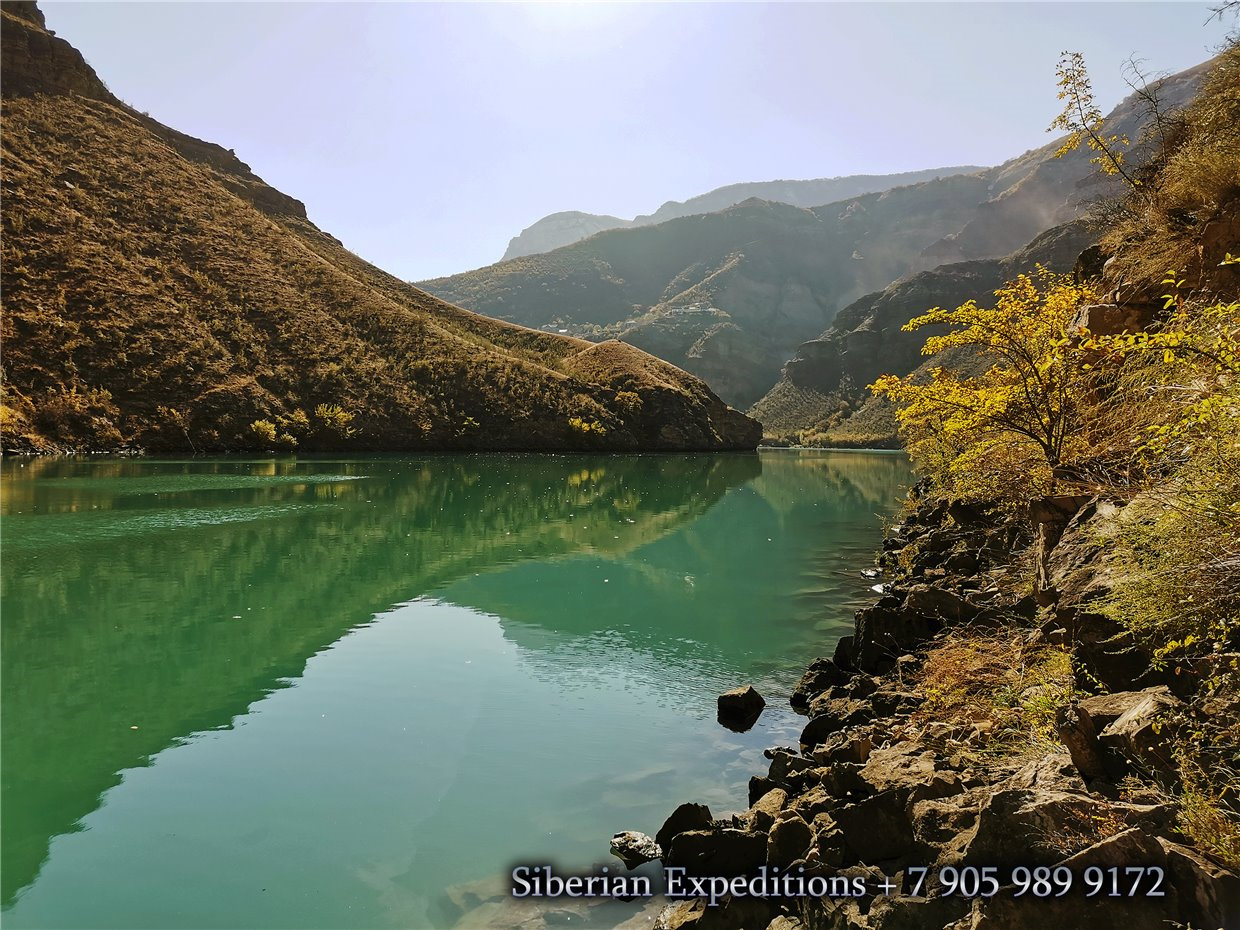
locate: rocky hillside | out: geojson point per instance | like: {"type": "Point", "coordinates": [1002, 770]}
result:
{"type": "Point", "coordinates": [821, 397]}
{"type": "Point", "coordinates": [561, 229]}
{"type": "Point", "coordinates": [158, 295]}
{"type": "Point", "coordinates": [730, 295]}
{"type": "Point", "coordinates": [1049, 676]}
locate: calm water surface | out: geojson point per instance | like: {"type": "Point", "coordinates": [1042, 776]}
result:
{"type": "Point", "coordinates": [340, 693]}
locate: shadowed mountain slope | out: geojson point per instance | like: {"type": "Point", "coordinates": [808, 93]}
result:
{"type": "Point", "coordinates": [730, 295]}
{"type": "Point", "coordinates": [159, 295]}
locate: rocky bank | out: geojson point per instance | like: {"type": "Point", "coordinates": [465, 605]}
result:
{"type": "Point", "coordinates": [890, 775]}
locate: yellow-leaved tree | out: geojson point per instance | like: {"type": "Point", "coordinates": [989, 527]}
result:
{"type": "Point", "coordinates": [1000, 434]}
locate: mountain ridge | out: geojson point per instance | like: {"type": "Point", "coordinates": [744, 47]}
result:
{"type": "Point", "coordinates": [567, 227]}
{"type": "Point", "coordinates": [730, 295]}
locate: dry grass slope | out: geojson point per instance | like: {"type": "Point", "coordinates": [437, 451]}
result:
{"type": "Point", "coordinates": [158, 295]}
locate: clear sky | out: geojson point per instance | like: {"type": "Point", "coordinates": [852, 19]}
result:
{"type": "Point", "coordinates": [425, 135]}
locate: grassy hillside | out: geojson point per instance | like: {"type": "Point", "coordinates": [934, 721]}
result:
{"type": "Point", "coordinates": [158, 295]}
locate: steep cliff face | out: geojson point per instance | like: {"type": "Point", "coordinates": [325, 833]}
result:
{"type": "Point", "coordinates": [159, 295]}
{"type": "Point", "coordinates": [561, 229]}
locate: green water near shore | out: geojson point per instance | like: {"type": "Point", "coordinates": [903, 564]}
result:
{"type": "Point", "coordinates": [320, 693]}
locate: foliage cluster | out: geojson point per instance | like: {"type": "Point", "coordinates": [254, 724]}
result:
{"type": "Point", "coordinates": [1000, 434]}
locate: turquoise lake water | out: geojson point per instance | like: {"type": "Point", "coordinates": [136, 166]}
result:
{"type": "Point", "coordinates": [343, 692]}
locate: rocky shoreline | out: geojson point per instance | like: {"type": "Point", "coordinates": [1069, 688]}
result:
{"type": "Point", "coordinates": [891, 778]}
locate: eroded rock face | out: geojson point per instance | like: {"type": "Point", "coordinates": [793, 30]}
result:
{"type": "Point", "coordinates": [35, 60]}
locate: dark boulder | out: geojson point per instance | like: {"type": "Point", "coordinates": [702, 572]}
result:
{"type": "Point", "coordinates": [789, 840]}
{"type": "Point", "coordinates": [877, 828]}
{"type": "Point", "coordinates": [725, 852]}
{"type": "Point", "coordinates": [688, 816]}
{"type": "Point", "coordinates": [740, 708]}
{"type": "Point", "coordinates": [821, 675]}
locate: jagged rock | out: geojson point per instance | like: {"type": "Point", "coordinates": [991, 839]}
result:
{"type": "Point", "coordinates": [789, 840]}
{"type": "Point", "coordinates": [903, 766]}
{"type": "Point", "coordinates": [939, 785]}
{"type": "Point", "coordinates": [939, 603]}
{"type": "Point", "coordinates": [724, 852]}
{"type": "Point", "coordinates": [1142, 732]}
{"type": "Point", "coordinates": [1105, 709]}
{"type": "Point", "coordinates": [740, 708]}
{"type": "Point", "coordinates": [844, 655]}
{"type": "Point", "coordinates": [1131, 847]}
{"type": "Point", "coordinates": [877, 828]}
{"type": "Point", "coordinates": [821, 675]}
{"type": "Point", "coordinates": [785, 923]}
{"type": "Point", "coordinates": [851, 746]}
{"type": "Point", "coordinates": [886, 631]}
{"type": "Point", "coordinates": [785, 764]}
{"type": "Point", "coordinates": [1076, 729]}
{"type": "Point", "coordinates": [943, 827]}
{"type": "Point", "coordinates": [1104, 650]}
{"type": "Point", "coordinates": [1003, 912]}
{"type": "Point", "coordinates": [634, 849]}
{"type": "Point", "coordinates": [1029, 827]}
{"type": "Point", "coordinates": [1050, 771]}
{"type": "Point", "coordinates": [688, 816]}
{"type": "Point", "coordinates": [1050, 517]}
{"type": "Point", "coordinates": [1112, 319]}
{"type": "Point", "coordinates": [887, 702]}
{"type": "Point", "coordinates": [1209, 894]}
{"type": "Point", "coordinates": [833, 914]}
{"type": "Point", "coordinates": [732, 913]}
{"type": "Point", "coordinates": [905, 913]}
{"type": "Point", "coordinates": [759, 785]}
{"type": "Point", "coordinates": [815, 802]}
{"type": "Point", "coordinates": [843, 781]}
{"type": "Point", "coordinates": [763, 812]}
{"type": "Point", "coordinates": [681, 915]}
{"type": "Point", "coordinates": [832, 715]}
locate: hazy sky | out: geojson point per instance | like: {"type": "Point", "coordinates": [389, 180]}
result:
{"type": "Point", "coordinates": [425, 135]}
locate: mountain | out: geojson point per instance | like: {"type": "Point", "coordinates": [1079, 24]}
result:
{"type": "Point", "coordinates": [821, 392]}
{"type": "Point", "coordinates": [820, 396]}
{"type": "Point", "coordinates": [730, 295]}
{"type": "Point", "coordinates": [159, 295]}
{"type": "Point", "coordinates": [560, 229]}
